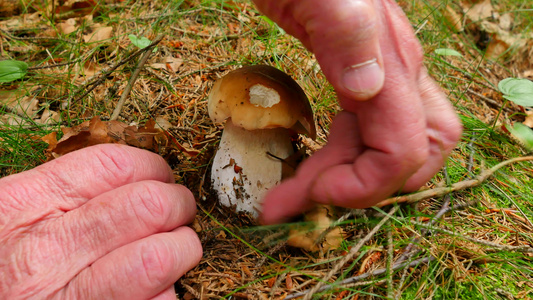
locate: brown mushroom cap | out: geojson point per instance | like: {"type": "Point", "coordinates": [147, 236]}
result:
{"type": "Point", "coordinates": [261, 97]}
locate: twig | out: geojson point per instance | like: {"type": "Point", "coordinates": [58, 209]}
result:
{"type": "Point", "coordinates": [407, 254]}
{"type": "Point", "coordinates": [56, 65]}
{"type": "Point", "coordinates": [348, 281]}
{"type": "Point", "coordinates": [439, 192]}
{"type": "Point", "coordinates": [390, 257]}
{"type": "Point", "coordinates": [268, 254]}
{"type": "Point", "coordinates": [471, 156]}
{"type": "Point", "coordinates": [206, 69]}
{"type": "Point", "coordinates": [33, 39]}
{"type": "Point", "coordinates": [160, 77]}
{"type": "Point", "coordinates": [128, 88]}
{"type": "Point", "coordinates": [91, 83]}
{"type": "Point", "coordinates": [490, 101]}
{"type": "Point", "coordinates": [524, 249]}
{"type": "Point", "coordinates": [350, 254]}
{"type": "Point", "coordinates": [179, 13]}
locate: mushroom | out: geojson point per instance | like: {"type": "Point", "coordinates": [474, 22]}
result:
{"type": "Point", "coordinates": [263, 107]}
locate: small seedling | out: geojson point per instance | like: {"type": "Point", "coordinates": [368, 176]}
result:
{"type": "Point", "coordinates": [141, 42]}
{"type": "Point", "coordinates": [519, 91]}
{"type": "Point", "coordinates": [11, 70]}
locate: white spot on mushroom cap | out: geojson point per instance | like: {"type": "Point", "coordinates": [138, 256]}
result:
{"type": "Point", "coordinates": [263, 96]}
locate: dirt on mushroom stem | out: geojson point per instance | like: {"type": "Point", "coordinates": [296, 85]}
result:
{"type": "Point", "coordinates": [243, 170]}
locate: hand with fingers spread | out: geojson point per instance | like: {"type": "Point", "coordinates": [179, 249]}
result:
{"type": "Point", "coordinates": [105, 222]}
{"type": "Point", "coordinates": [397, 127]}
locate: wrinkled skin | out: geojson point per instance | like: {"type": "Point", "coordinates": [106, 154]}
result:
{"type": "Point", "coordinates": [105, 222]}
{"type": "Point", "coordinates": [395, 131]}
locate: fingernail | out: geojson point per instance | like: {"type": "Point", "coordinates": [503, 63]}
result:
{"type": "Point", "coordinates": [365, 78]}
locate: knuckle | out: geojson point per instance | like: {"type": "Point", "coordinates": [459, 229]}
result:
{"type": "Point", "coordinates": [157, 261]}
{"type": "Point", "coordinates": [364, 24]}
{"type": "Point", "coordinates": [114, 162]}
{"type": "Point", "coordinates": [452, 132]}
{"type": "Point", "coordinates": [416, 156]}
{"type": "Point", "coordinates": [151, 203]}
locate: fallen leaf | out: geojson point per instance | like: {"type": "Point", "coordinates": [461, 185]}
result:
{"type": "Point", "coordinates": [479, 11]}
{"type": "Point", "coordinates": [90, 68]}
{"type": "Point", "coordinates": [17, 102]}
{"type": "Point", "coordinates": [51, 140]}
{"type": "Point", "coordinates": [162, 123]}
{"type": "Point", "coordinates": [87, 134]}
{"type": "Point", "coordinates": [49, 117]}
{"type": "Point", "coordinates": [146, 137]}
{"type": "Point", "coordinates": [67, 27]}
{"type": "Point", "coordinates": [9, 8]}
{"type": "Point", "coordinates": [529, 119]}
{"type": "Point", "coordinates": [169, 63]}
{"type": "Point", "coordinates": [99, 34]}
{"type": "Point", "coordinates": [288, 282]}
{"type": "Point", "coordinates": [455, 21]}
{"type": "Point", "coordinates": [506, 22]}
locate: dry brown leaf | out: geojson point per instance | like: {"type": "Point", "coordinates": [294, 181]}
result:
{"type": "Point", "coordinates": [479, 11]}
{"type": "Point", "coordinates": [14, 120]}
{"type": "Point", "coordinates": [9, 8]}
{"type": "Point", "coordinates": [529, 119]}
{"type": "Point", "coordinates": [146, 137]}
{"type": "Point", "coordinates": [49, 117]}
{"type": "Point", "coordinates": [87, 134]}
{"type": "Point", "coordinates": [169, 63]}
{"type": "Point", "coordinates": [506, 22]}
{"type": "Point", "coordinates": [18, 103]}
{"type": "Point", "coordinates": [67, 27]}
{"type": "Point", "coordinates": [90, 69]}
{"type": "Point", "coordinates": [528, 74]}
{"type": "Point", "coordinates": [162, 123]}
{"type": "Point", "coordinates": [454, 20]}
{"type": "Point", "coordinates": [99, 34]}
{"type": "Point", "coordinates": [51, 140]}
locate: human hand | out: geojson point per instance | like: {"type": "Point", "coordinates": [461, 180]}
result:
{"type": "Point", "coordinates": [104, 222]}
{"type": "Point", "coordinates": [397, 139]}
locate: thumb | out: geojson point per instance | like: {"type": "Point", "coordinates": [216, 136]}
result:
{"type": "Point", "coordinates": [344, 35]}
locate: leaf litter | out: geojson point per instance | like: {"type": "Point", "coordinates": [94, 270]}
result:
{"type": "Point", "coordinates": [166, 113]}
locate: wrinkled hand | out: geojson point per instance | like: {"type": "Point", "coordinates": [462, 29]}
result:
{"type": "Point", "coordinates": [105, 222]}
{"type": "Point", "coordinates": [397, 139]}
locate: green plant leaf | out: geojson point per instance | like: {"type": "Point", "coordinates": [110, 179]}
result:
{"type": "Point", "coordinates": [11, 70]}
{"type": "Point", "coordinates": [140, 42]}
{"type": "Point", "coordinates": [522, 133]}
{"type": "Point", "coordinates": [447, 52]}
{"type": "Point", "coordinates": [520, 91]}
{"type": "Point", "coordinates": [273, 24]}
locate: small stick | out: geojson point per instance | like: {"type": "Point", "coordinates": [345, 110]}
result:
{"type": "Point", "coordinates": [461, 185]}
{"type": "Point", "coordinates": [128, 88]}
{"type": "Point", "coordinates": [350, 255]}
{"type": "Point", "coordinates": [33, 39]}
{"type": "Point", "coordinates": [523, 249]}
{"type": "Point", "coordinates": [91, 83]}
{"type": "Point", "coordinates": [349, 281]}
{"type": "Point", "coordinates": [472, 151]}
{"type": "Point", "coordinates": [390, 257]}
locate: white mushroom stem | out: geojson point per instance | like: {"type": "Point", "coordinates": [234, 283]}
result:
{"type": "Point", "coordinates": [242, 171]}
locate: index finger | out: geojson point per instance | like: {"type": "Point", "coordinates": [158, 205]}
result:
{"type": "Point", "coordinates": [71, 180]}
